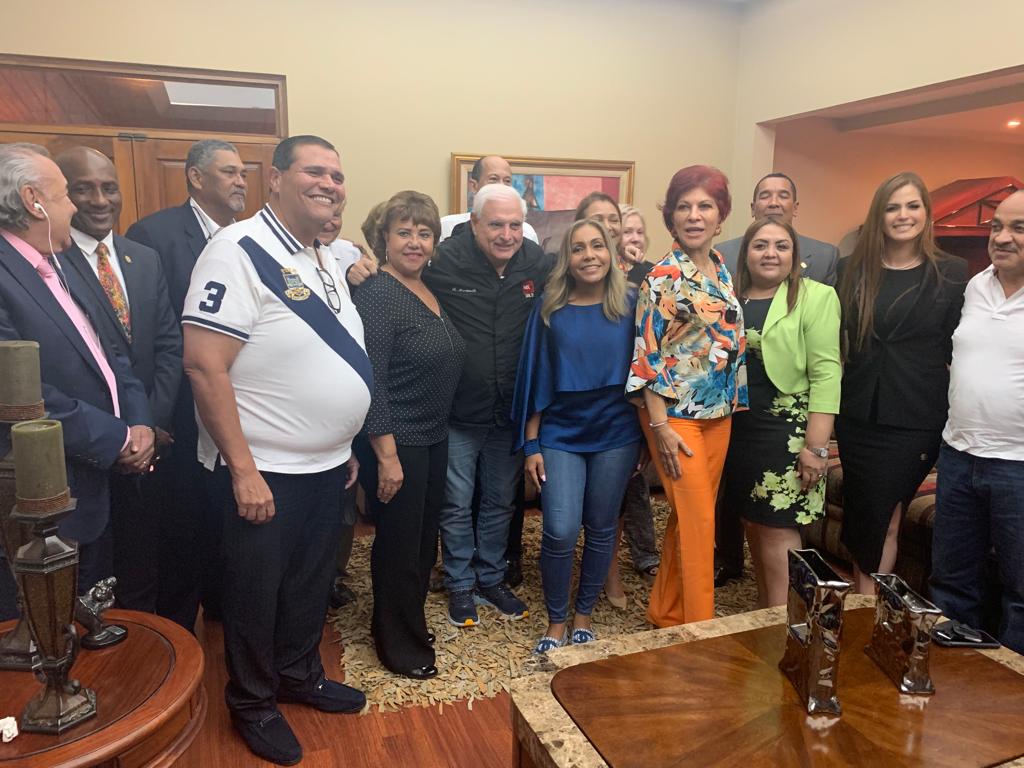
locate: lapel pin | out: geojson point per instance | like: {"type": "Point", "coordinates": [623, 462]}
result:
{"type": "Point", "coordinates": [128, 258]}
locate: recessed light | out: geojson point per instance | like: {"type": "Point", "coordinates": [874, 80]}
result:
{"type": "Point", "coordinates": [1013, 123]}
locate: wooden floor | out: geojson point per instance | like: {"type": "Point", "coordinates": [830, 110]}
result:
{"type": "Point", "coordinates": [413, 737]}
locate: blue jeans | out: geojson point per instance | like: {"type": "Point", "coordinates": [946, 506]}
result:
{"type": "Point", "coordinates": [500, 470]}
{"type": "Point", "coordinates": [979, 506]}
{"type": "Point", "coordinates": [587, 489]}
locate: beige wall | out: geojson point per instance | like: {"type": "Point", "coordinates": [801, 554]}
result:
{"type": "Point", "coordinates": [837, 173]}
{"type": "Point", "coordinates": [399, 85]}
{"type": "Point", "coordinates": [796, 56]}
{"type": "Point", "coordinates": [663, 82]}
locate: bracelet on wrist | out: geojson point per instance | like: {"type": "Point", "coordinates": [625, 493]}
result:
{"type": "Point", "coordinates": [655, 425]}
{"type": "Point", "coordinates": [531, 447]}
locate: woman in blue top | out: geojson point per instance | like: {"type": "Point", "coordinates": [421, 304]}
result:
{"type": "Point", "coordinates": [580, 435]}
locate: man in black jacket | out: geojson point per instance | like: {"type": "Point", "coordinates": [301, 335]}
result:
{"type": "Point", "coordinates": [190, 563]}
{"type": "Point", "coordinates": [487, 278]}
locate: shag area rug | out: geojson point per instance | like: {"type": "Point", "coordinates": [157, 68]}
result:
{"type": "Point", "coordinates": [479, 662]}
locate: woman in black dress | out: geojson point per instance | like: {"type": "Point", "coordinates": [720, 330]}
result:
{"type": "Point", "coordinates": [901, 298]}
{"type": "Point", "coordinates": [775, 469]}
{"type": "Point", "coordinates": [417, 358]}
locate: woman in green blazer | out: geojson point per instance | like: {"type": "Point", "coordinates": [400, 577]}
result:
{"type": "Point", "coordinates": [778, 452]}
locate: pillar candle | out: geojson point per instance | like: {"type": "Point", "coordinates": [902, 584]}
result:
{"type": "Point", "coordinates": [19, 373]}
{"type": "Point", "coordinates": [39, 470]}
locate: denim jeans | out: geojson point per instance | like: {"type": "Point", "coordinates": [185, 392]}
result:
{"type": "Point", "coordinates": [587, 489]}
{"type": "Point", "coordinates": [500, 470]}
{"type": "Point", "coordinates": [979, 507]}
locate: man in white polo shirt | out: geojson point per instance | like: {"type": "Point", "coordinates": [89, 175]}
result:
{"type": "Point", "coordinates": [274, 351]}
{"type": "Point", "coordinates": [980, 493]}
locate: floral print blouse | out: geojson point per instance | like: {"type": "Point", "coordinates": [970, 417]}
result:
{"type": "Point", "coordinates": [690, 343]}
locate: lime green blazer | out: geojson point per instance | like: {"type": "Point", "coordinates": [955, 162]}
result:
{"type": "Point", "coordinates": [801, 349]}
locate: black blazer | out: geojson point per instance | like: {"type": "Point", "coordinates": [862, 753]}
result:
{"type": "Point", "coordinates": [74, 390]}
{"type": "Point", "coordinates": [155, 347]}
{"type": "Point", "coordinates": [175, 234]}
{"type": "Point", "coordinates": [909, 366]}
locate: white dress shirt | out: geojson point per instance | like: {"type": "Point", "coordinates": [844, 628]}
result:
{"type": "Point", "coordinates": [986, 377]}
{"type": "Point", "coordinates": [87, 245]}
{"type": "Point", "coordinates": [208, 225]}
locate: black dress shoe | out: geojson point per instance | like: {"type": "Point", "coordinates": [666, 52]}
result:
{"type": "Point", "coordinates": [341, 595]}
{"type": "Point", "coordinates": [422, 673]}
{"type": "Point", "coordinates": [724, 575]}
{"type": "Point", "coordinates": [270, 738]}
{"type": "Point", "coordinates": [514, 573]}
{"type": "Point", "coordinates": [328, 696]}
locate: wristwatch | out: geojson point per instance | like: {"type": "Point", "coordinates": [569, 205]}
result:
{"type": "Point", "coordinates": [821, 453]}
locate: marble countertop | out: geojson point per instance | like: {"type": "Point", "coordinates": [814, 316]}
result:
{"type": "Point", "coordinates": [550, 737]}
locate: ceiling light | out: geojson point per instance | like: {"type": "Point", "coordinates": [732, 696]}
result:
{"type": "Point", "coordinates": [1013, 123]}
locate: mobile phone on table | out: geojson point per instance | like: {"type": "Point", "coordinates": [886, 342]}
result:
{"type": "Point", "coordinates": [955, 634]}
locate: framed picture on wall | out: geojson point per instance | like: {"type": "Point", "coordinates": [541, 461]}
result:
{"type": "Point", "coordinates": [551, 186]}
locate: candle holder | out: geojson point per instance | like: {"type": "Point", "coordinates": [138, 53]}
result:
{"type": "Point", "coordinates": [46, 567]}
{"type": "Point", "coordinates": [17, 649]}
{"type": "Point", "coordinates": [901, 639]}
{"type": "Point", "coordinates": [815, 624]}
{"type": "Point", "coordinates": [20, 399]}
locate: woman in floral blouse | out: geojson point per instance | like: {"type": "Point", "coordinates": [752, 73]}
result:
{"type": "Point", "coordinates": [688, 362]}
{"type": "Point", "coordinates": [775, 470]}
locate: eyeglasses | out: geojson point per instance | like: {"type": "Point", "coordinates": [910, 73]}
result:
{"type": "Point", "coordinates": [330, 288]}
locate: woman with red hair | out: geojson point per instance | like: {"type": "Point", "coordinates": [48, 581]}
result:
{"type": "Point", "coordinates": [688, 362]}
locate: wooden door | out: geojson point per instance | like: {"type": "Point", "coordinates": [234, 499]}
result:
{"type": "Point", "coordinates": [117, 148]}
{"type": "Point", "coordinates": [160, 173]}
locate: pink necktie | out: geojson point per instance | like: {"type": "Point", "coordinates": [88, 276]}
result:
{"type": "Point", "coordinates": [81, 322]}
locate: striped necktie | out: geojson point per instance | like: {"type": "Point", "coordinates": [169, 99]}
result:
{"type": "Point", "coordinates": [112, 287]}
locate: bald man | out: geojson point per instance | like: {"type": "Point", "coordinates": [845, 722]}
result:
{"type": "Point", "coordinates": [127, 281]}
{"type": "Point", "coordinates": [489, 169]}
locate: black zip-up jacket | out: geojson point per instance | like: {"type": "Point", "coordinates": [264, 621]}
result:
{"type": "Point", "coordinates": [490, 311]}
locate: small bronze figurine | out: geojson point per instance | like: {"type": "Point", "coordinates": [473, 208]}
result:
{"type": "Point", "coordinates": [901, 639]}
{"type": "Point", "coordinates": [815, 619]}
{"type": "Point", "coordinates": [89, 613]}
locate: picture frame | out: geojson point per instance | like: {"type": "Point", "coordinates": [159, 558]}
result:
{"type": "Point", "coordinates": [551, 186]}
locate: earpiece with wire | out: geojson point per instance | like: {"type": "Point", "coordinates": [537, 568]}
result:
{"type": "Point", "coordinates": [39, 207]}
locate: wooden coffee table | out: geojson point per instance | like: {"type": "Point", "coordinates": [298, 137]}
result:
{"type": "Point", "coordinates": [711, 694]}
{"type": "Point", "coordinates": [150, 701]}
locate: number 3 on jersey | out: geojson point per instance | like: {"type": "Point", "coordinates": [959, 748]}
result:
{"type": "Point", "coordinates": [214, 297]}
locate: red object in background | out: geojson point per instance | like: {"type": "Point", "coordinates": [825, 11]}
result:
{"type": "Point", "coordinates": [962, 211]}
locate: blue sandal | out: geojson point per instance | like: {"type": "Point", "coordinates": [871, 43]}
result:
{"type": "Point", "coordinates": [548, 643]}
{"type": "Point", "coordinates": [583, 636]}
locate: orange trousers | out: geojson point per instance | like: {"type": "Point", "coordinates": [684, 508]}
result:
{"type": "Point", "coordinates": [684, 589]}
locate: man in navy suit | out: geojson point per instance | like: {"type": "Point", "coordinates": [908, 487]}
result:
{"type": "Point", "coordinates": [127, 282]}
{"type": "Point", "coordinates": [189, 556]}
{"type": "Point", "coordinates": [88, 385]}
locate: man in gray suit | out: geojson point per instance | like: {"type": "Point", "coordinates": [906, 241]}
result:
{"type": "Point", "coordinates": [775, 195]}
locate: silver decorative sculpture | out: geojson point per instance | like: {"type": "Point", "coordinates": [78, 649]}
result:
{"type": "Point", "coordinates": [815, 623]}
{"type": "Point", "coordinates": [901, 638]}
{"type": "Point", "coordinates": [89, 613]}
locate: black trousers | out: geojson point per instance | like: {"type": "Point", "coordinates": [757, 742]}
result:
{"type": "Point", "coordinates": [277, 577]}
{"type": "Point", "coordinates": [728, 537]}
{"type": "Point", "coordinates": [135, 523]}
{"type": "Point", "coordinates": [403, 553]}
{"type": "Point", "coordinates": [190, 526]}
